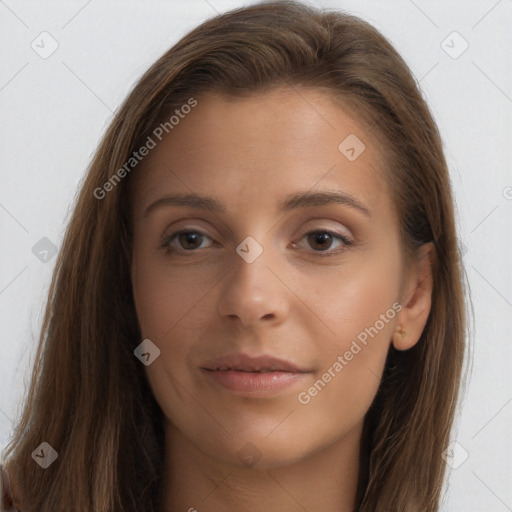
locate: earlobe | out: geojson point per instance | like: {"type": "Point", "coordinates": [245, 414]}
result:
{"type": "Point", "coordinates": [399, 339]}
{"type": "Point", "coordinates": [416, 299]}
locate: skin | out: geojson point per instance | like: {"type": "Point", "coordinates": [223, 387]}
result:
{"type": "Point", "coordinates": [290, 302]}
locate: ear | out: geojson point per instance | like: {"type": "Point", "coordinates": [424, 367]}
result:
{"type": "Point", "coordinates": [416, 298]}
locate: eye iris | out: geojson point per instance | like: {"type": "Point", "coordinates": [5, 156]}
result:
{"type": "Point", "coordinates": [320, 238]}
{"type": "Point", "coordinates": [193, 238]}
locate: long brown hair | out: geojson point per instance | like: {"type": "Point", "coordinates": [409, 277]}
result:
{"type": "Point", "coordinates": [89, 397]}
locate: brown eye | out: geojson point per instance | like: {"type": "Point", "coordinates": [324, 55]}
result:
{"type": "Point", "coordinates": [190, 240]}
{"type": "Point", "coordinates": [322, 242]}
{"type": "Point", "coordinates": [184, 241]}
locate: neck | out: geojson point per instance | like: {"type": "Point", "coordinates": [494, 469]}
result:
{"type": "Point", "coordinates": [325, 480]}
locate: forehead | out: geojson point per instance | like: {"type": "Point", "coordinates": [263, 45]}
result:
{"type": "Point", "coordinates": [249, 151]}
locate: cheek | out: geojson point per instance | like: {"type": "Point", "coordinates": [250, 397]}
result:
{"type": "Point", "coordinates": [166, 296]}
{"type": "Point", "coordinates": [170, 309]}
{"type": "Point", "coordinates": [355, 297]}
{"type": "Point", "coordinates": [359, 312]}
{"type": "Point", "coordinates": [165, 304]}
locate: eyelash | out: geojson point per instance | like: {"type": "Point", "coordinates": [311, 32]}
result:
{"type": "Point", "coordinates": [166, 241]}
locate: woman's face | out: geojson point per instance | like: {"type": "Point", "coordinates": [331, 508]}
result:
{"type": "Point", "coordinates": [288, 261]}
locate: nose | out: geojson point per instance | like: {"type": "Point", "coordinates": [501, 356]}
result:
{"type": "Point", "coordinates": [254, 294]}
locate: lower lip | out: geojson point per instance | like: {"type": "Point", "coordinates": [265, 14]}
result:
{"type": "Point", "coordinates": [261, 384]}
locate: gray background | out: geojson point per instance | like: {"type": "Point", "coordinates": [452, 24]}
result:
{"type": "Point", "coordinates": [56, 107]}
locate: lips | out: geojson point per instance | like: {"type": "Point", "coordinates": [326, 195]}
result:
{"type": "Point", "coordinates": [252, 364]}
{"type": "Point", "coordinates": [247, 376]}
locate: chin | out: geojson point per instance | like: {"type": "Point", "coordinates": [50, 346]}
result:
{"type": "Point", "coordinates": [259, 454]}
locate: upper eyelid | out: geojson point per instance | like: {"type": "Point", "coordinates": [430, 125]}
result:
{"type": "Point", "coordinates": [316, 227]}
{"type": "Point", "coordinates": [306, 232]}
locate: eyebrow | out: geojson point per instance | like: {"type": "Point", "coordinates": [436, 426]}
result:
{"type": "Point", "coordinates": [292, 202]}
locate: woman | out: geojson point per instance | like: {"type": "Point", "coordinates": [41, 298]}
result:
{"type": "Point", "coordinates": [259, 303]}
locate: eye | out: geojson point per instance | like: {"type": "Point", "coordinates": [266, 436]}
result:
{"type": "Point", "coordinates": [322, 241]}
{"type": "Point", "coordinates": [184, 241]}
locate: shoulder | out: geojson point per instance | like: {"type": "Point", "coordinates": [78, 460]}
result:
{"type": "Point", "coordinates": [7, 502]}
